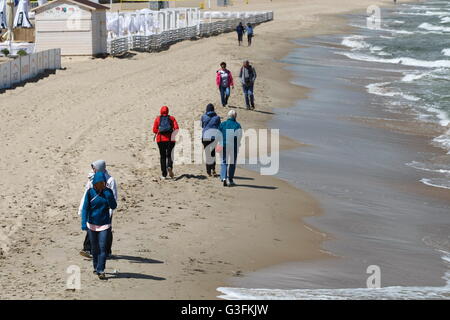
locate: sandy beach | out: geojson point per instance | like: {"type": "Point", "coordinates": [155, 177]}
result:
{"type": "Point", "coordinates": [176, 239]}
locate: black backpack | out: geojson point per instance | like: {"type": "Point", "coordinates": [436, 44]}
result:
{"type": "Point", "coordinates": [165, 124]}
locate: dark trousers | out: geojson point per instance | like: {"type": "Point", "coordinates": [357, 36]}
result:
{"type": "Point", "coordinates": [249, 37]}
{"type": "Point", "coordinates": [223, 95]}
{"type": "Point", "coordinates": [248, 94]}
{"type": "Point", "coordinates": [98, 248]}
{"type": "Point", "coordinates": [87, 243]}
{"type": "Point", "coordinates": [165, 154]}
{"type": "Point", "coordinates": [240, 36]}
{"type": "Point", "coordinates": [210, 150]}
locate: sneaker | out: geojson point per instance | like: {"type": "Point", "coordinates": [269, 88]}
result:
{"type": "Point", "coordinates": [85, 254]}
{"type": "Point", "coordinates": [102, 276]}
{"type": "Point", "coordinates": [253, 107]}
{"type": "Point", "coordinates": [224, 182]}
{"type": "Point", "coordinates": [231, 183]}
{"type": "Point", "coordinates": [214, 174]}
{"type": "Point", "coordinates": [209, 174]}
{"type": "Point", "coordinates": [247, 107]}
{"type": "Point", "coordinates": [162, 178]}
{"type": "Point", "coordinates": [170, 172]}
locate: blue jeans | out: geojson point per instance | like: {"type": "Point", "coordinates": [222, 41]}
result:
{"type": "Point", "coordinates": [228, 166]}
{"type": "Point", "coordinates": [248, 94]}
{"type": "Point", "coordinates": [224, 95]}
{"type": "Point", "coordinates": [98, 241]}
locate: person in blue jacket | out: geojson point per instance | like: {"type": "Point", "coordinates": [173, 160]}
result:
{"type": "Point", "coordinates": [210, 124]}
{"type": "Point", "coordinates": [249, 34]}
{"type": "Point", "coordinates": [231, 139]}
{"type": "Point", "coordinates": [95, 218]}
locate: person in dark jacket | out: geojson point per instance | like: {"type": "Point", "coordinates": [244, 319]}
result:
{"type": "Point", "coordinates": [224, 81]}
{"type": "Point", "coordinates": [248, 77]}
{"type": "Point", "coordinates": [165, 127]}
{"type": "Point", "coordinates": [231, 139]}
{"type": "Point", "coordinates": [95, 218]}
{"type": "Point", "coordinates": [240, 30]}
{"type": "Point", "coordinates": [210, 124]}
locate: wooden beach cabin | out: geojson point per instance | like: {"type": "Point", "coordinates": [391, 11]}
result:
{"type": "Point", "coordinates": [78, 27]}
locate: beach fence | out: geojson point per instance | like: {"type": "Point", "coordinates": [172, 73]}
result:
{"type": "Point", "coordinates": [27, 67]}
{"type": "Point", "coordinates": [152, 31]}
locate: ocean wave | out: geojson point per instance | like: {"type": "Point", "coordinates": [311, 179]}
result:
{"type": "Point", "coordinates": [402, 60]}
{"type": "Point", "coordinates": [355, 42]}
{"type": "Point", "coordinates": [427, 13]}
{"type": "Point", "coordinates": [431, 27]}
{"type": "Point", "coordinates": [445, 20]}
{"type": "Point", "coordinates": [437, 182]}
{"type": "Point", "coordinates": [429, 167]}
{"type": "Point", "coordinates": [410, 77]}
{"type": "Point", "coordinates": [442, 115]}
{"type": "Point", "coordinates": [381, 90]}
{"type": "Point", "coordinates": [383, 293]}
{"type": "Point", "coordinates": [443, 141]}
{"type": "Point", "coordinates": [446, 52]}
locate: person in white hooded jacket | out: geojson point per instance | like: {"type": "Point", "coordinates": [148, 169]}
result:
{"type": "Point", "coordinates": [98, 166]}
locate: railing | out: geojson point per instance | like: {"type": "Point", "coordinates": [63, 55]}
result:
{"type": "Point", "coordinates": [157, 42]}
{"type": "Point", "coordinates": [26, 67]}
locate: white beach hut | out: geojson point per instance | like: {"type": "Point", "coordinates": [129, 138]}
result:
{"type": "Point", "coordinates": [78, 27]}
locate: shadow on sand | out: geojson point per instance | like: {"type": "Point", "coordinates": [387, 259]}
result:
{"type": "Point", "coordinates": [255, 186]}
{"type": "Point", "coordinates": [131, 275]}
{"type": "Point", "coordinates": [133, 259]}
{"type": "Point", "coordinates": [191, 176]}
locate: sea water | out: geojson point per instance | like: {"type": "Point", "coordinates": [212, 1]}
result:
{"type": "Point", "coordinates": [369, 181]}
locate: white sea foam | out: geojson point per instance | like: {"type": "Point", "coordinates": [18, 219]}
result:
{"type": "Point", "coordinates": [384, 293]}
{"type": "Point", "coordinates": [429, 167]}
{"type": "Point", "coordinates": [402, 60]}
{"type": "Point", "coordinates": [442, 115]}
{"type": "Point", "coordinates": [426, 13]}
{"type": "Point", "coordinates": [437, 183]}
{"type": "Point", "coordinates": [443, 141]}
{"type": "Point", "coordinates": [445, 20]}
{"type": "Point", "coordinates": [355, 42]}
{"type": "Point", "coordinates": [380, 89]}
{"type": "Point", "coordinates": [446, 52]}
{"type": "Point", "coordinates": [410, 77]}
{"type": "Point", "coordinates": [432, 27]}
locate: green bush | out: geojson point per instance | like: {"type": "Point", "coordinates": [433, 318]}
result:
{"type": "Point", "coordinates": [21, 53]}
{"type": "Point", "coordinates": [5, 52]}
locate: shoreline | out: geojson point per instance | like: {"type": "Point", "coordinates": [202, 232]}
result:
{"type": "Point", "coordinates": [183, 272]}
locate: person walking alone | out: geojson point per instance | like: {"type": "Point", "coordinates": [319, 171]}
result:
{"type": "Point", "coordinates": [249, 34]}
{"type": "Point", "coordinates": [248, 77]}
{"type": "Point", "coordinates": [98, 166]}
{"type": "Point", "coordinates": [240, 30]}
{"type": "Point", "coordinates": [95, 218]}
{"type": "Point", "coordinates": [224, 81]}
{"type": "Point", "coordinates": [210, 126]}
{"type": "Point", "coordinates": [231, 139]}
{"type": "Point", "coordinates": [165, 127]}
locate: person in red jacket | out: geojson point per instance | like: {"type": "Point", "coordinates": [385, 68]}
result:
{"type": "Point", "coordinates": [165, 127]}
{"type": "Point", "coordinates": [224, 80]}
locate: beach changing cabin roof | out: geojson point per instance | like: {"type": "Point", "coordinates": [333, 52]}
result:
{"type": "Point", "coordinates": [89, 5]}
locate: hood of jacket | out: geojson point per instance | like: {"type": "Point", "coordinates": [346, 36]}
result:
{"type": "Point", "coordinates": [164, 110]}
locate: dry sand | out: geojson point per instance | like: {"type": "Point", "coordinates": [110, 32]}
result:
{"type": "Point", "coordinates": [174, 239]}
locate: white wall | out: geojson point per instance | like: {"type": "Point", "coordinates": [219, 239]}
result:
{"type": "Point", "coordinates": [29, 66]}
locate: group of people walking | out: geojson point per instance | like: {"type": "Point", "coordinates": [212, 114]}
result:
{"type": "Point", "coordinates": [225, 82]}
{"type": "Point", "coordinates": [223, 137]}
{"type": "Point", "coordinates": [241, 29]}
